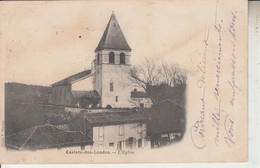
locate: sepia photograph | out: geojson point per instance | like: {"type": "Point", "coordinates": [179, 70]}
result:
{"type": "Point", "coordinates": [132, 106]}
{"type": "Point", "coordinates": [123, 82]}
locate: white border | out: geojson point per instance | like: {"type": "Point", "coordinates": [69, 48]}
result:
{"type": "Point", "coordinates": [254, 109]}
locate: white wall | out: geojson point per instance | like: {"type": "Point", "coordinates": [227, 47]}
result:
{"type": "Point", "coordinates": [122, 86]}
{"type": "Point", "coordinates": [111, 135]}
{"type": "Point", "coordinates": [117, 74]}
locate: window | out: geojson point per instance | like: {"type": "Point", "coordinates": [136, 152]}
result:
{"type": "Point", "coordinates": [100, 134]}
{"type": "Point", "coordinates": [116, 98]}
{"type": "Point", "coordinates": [121, 145]}
{"type": "Point", "coordinates": [139, 143]}
{"type": "Point", "coordinates": [111, 58]}
{"type": "Point", "coordinates": [111, 87]}
{"type": "Point", "coordinates": [111, 144]}
{"type": "Point", "coordinates": [130, 142]}
{"type": "Point", "coordinates": [121, 130]}
{"type": "Point", "coordinates": [98, 59]}
{"type": "Point", "coordinates": [122, 58]}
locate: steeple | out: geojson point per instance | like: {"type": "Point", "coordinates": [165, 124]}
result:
{"type": "Point", "coordinates": [113, 37]}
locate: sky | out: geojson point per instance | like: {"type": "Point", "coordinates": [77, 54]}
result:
{"type": "Point", "coordinates": [44, 42]}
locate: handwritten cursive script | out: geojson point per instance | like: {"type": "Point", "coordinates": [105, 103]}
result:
{"type": "Point", "coordinates": [197, 130]}
{"type": "Point", "coordinates": [216, 117]}
{"type": "Point", "coordinates": [228, 124]}
{"type": "Point", "coordinates": [232, 82]}
{"type": "Point", "coordinates": [218, 28]}
{"type": "Point", "coordinates": [201, 67]}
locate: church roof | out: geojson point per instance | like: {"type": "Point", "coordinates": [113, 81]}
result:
{"type": "Point", "coordinates": [74, 78]}
{"type": "Point", "coordinates": [113, 37]}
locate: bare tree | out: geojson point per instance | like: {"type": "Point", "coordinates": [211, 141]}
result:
{"type": "Point", "coordinates": [156, 79]}
{"type": "Point", "coordinates": [145, 75]}
{"type": "Point", "coordinates": [151, 74]}
{"type": "Point", "coordinates": [172, 75]}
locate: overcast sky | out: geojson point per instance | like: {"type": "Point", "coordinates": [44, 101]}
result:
{"type": "Point", "coordinates": [40, 40]}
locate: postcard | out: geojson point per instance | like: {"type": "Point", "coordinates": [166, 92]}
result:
{"type": "Point", "coordinates": [123, 81]}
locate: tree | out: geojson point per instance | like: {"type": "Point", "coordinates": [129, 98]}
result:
{"type": "Point", "coordinates": [157, 80]}
{"type": "Point", "coordinates": [165, 85]}
{"type": "Point", "coordinates": [172, 75]}
{"type": "Point", "coordinates": [146, 74]}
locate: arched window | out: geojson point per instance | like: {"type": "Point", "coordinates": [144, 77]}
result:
{"type": "Point", "coordinates": [122, 58]}
{"type": "Point", "coordinates": [111, 58]}
{"type": "Point", "coordinates": [98, 59]}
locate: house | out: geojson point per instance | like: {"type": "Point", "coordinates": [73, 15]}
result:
{"type": "Point", "coordinates": [117, 131]}
{"type": "Point", "coordinates": [114, 130]}
{"type": "Point", "coordinates": [109, 74]}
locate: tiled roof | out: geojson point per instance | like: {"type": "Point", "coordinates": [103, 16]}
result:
{"type": "Point", "coordinates": [113, 118]}
{"type": "Point", "coordinates": [113, 37]}
{"type": "Point", "coordinates": [74, 78]}
{"type": "Point", "coordinates": [46, 136]}
{"type": "Point", "coordinates": [86, 94]}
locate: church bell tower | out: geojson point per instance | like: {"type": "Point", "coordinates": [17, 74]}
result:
{"type": "Point", "coordinates": [111, 67]}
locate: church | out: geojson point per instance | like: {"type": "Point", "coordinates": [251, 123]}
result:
{"type": "Point", "coordinates": [108, 77]}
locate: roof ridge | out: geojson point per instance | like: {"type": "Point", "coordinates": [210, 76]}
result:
{"type": "Point", "coordinates": [69, 131]}
{"type": "Point", "coordinates": [108, 28]}
{"type": "Point", "coordinates": [75, 77]}
{"type": "Point", "coordinates": [28, 138]}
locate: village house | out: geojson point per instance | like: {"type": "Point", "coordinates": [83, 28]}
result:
{"type": "Point", "coordinates": [121, 130]}
{"type": "Point", "coordinates": [117, 131]}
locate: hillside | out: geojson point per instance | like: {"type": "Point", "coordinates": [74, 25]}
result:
{"type": "Point", "coordinates": [22, 93]}
{"type": "Point", "coordinates": [21, 106]}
